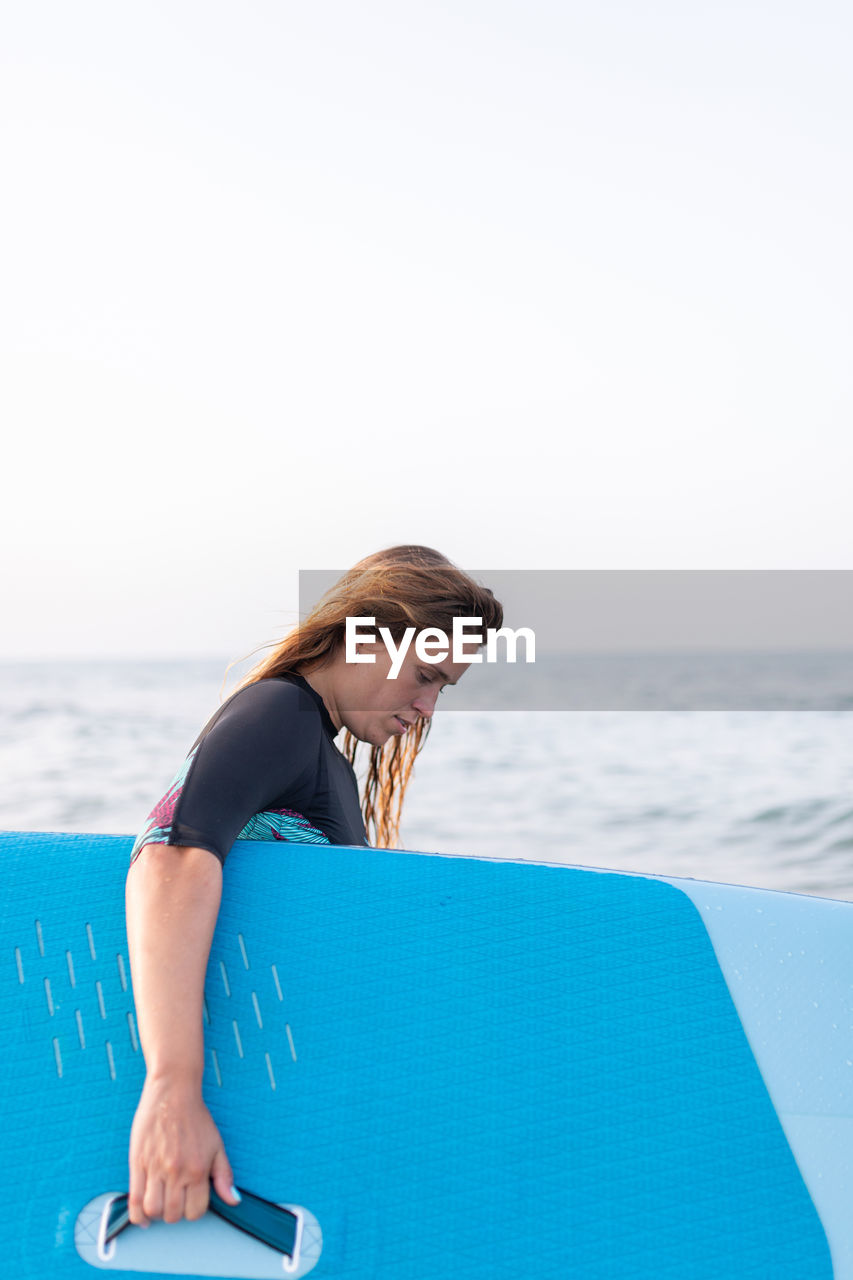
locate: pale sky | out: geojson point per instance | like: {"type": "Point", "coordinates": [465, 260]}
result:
{"type": "Point", "coordinates": [546, 285]}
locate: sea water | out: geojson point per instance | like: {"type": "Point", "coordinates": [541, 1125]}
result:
{"type": "Point", "coordinates": [762, 796]}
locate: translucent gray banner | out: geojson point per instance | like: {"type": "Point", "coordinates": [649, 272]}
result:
{"type": "Point", "coordinates": [630, 640]}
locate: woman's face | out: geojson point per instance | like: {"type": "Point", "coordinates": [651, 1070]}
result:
{"type": "Point", "coordinates": [374, 707]}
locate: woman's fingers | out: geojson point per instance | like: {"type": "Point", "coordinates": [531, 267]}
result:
{"type": "Point", "coordinates": [152, 1201]}
{"type": "Point", "coordinates": [135, 1198]}
{"type": "Point", "coordinates": [174, 1197]}
{"type": "Point", "coordinates": [169, 1201]}
{"type": "Point", "coordinates": [197, 1198]}
{"type": "Point", "coordinates": [198, 1194]}
{"type": "Point", "coordinates": [223, 1177]}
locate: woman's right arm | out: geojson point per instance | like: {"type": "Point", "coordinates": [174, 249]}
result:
{"type": "Point", "coordinates": [172, 900]}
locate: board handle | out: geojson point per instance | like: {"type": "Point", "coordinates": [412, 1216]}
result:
{"type": "Point", "coordinates": [279, 1228]}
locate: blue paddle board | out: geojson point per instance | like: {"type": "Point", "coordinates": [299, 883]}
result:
{"type": "Point", "coordinates": [428, 1066]}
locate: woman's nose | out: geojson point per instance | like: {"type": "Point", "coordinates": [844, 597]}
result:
{"type": "Point", "coordinates": [425, 702]}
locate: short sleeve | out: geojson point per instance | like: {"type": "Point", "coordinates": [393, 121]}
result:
{"type": "Point", "coordinates": [262, 747]}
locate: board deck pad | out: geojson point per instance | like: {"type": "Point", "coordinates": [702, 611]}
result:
{"type": "Point", "coordinates": [459, 1067]}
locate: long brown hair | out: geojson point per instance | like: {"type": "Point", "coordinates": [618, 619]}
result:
{"type": "Point", "coordinates": [405, 586]}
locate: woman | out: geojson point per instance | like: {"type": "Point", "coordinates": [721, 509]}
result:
{"type": "Point", "coordinates": [265, 767]}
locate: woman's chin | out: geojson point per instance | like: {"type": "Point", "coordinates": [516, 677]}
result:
{"type": "Point", "coordinates": [375, 737]}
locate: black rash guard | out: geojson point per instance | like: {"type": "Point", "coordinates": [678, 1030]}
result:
{"type": "Point", "coordinates": [265, 767]}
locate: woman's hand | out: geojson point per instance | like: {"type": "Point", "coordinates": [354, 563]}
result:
{"type": "Point", "coordinates": [175, 1151]}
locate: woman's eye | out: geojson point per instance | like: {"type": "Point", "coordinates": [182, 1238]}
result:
{"type": "Point", "coordinates": [429, 677]}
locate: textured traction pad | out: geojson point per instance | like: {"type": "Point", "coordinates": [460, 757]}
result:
{"type": "Point", "coordinates": [462, 1068]}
